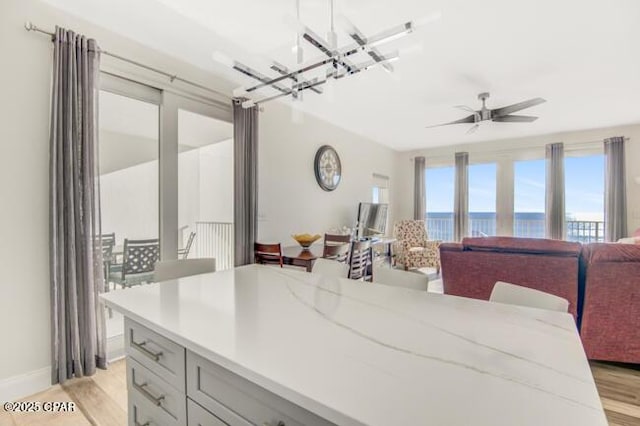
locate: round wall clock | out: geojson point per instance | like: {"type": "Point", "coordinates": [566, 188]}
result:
{"type": "Point", "coordinates": [327, 168]}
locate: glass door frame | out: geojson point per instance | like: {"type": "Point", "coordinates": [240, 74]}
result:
{"type": "Point", "coordinates": [170, 101]}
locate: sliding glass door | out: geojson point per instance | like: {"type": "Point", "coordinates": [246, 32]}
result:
{"type": "Point", "coordinates": [129, 163]}
{"type": "Point", "coordinates": [166, 178]}
{"type": "Point", "coordinates": [129, 140]}
{"type": "Point", "coordinates": [205, 188]}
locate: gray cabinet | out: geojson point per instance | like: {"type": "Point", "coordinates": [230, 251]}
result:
{"type": "Point", "coordinates": [170, 385]}
{"type": "Point", "coordinates": [159, 354]}
{"type": "Point", "coordinates": [166, 401]}
{"type": "Point", "coordinates": [229, 397]}
{"type": "Point", "coordinates": [198, 416]}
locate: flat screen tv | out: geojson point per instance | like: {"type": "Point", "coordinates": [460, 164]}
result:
{"type": "Point", "coordinates": [372, 219]}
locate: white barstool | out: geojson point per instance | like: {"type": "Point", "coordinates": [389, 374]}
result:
{"type": "Point", "coordinates": [178, 268]}
{"type": "Point", "coordinates": [330, 268]}
{"type": "Point", "coordinates": [517, 295]}
{"type": "Point", "coordinates": [398, 278]}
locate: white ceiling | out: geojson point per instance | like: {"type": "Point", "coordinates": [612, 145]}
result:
{"type": "Point", "coordinates": [583, 56]}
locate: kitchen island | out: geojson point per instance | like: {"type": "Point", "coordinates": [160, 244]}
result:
{"type": "Point", "coordinates": [269, 346]}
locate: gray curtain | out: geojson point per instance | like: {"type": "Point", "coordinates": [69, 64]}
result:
{"type": "Point", "coordinates": [554, 193]}
{"type": "Point", "coordinates": [245, 182]}
{"type": "Point", "coordinates": [419, 195]}
{"type": "Point", "coordinates": [615, 192]}
{"type": "Point", "coordinates": [77, 316]}
{"type": "Point", "coordinates": [461, 197]}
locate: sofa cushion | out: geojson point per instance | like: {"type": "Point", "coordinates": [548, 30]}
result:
{"type": "Point", "coordinates": [522, 245]}
{"type": "Point", "coordinates": [607, 252]}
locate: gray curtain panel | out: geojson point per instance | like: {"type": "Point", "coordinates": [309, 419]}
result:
{"type": "Point", "coordinates": [245, 182]}
{"type": "Point", "coordinates": [615, 191]}
{"type": "Point", "coordinates": [419, 194]}
{"type": "Point", "coordinates": [461, 197]}
{"type": "Point", "coordinates": [554, 193]}
{"type": "Point", "coordinates": [77, 316]}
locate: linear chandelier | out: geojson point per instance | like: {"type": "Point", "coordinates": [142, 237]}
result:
{"type": "Point", "coordinates": [338, 62]}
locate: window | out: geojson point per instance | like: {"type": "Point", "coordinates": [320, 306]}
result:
{"type": "Point", "coordinates": [529, 198]}
{"type": "Point", "coordinates": [522, 197]}
{"type": "Point", "coordinates": [482, 200]}
{"type": "Point", "coordinates": [584, 198]}
{"type": "Point", "coordinates": [129, 131]}
{"type": "Point", "coordinates": [129, 147]}
{"type": "Point", "coordinates": [439, 183]}
{"type": "Point", "coordinates": [380, 191]}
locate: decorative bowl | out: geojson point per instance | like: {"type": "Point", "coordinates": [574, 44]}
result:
{"type": "Point", "coordinates": [305, 240]}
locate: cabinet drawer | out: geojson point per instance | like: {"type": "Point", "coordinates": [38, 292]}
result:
{"type": "Point", "coordinates": [144, 413]}
{"type": "Point", "coordinates": [198, 416]}
{"type": "Point", "coordinates": [157, 353]}
{"type": "Point", "coordinates": [229, 396]}
{"type": "Point", "coordinates": [161, 395]}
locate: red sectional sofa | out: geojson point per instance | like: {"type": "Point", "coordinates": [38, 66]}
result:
{"type": "Point", "coordinates": [471, 268]}
{"type": "Point", "coordinates": [600, 281]}
{"type": "Point", "coordinates": [610, 328]}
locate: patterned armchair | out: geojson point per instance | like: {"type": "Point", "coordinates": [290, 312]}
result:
{"type": "Point", "coordinates": [413, 250]}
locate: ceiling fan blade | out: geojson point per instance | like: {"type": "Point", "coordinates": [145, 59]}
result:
{"type": "Point", "coordinates": [473, 128]}
{"type": "Point", "coordinates": [465, 108]}
{"type": "Point", "coordinates": [515, 119]}
{"type": "Point", "coordinates": [470, 119]}
{"type": "Point", "coordinates": [517, 107]}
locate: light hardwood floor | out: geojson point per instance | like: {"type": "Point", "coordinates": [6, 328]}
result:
{"type": "Point", "coordinates": [102, 399]}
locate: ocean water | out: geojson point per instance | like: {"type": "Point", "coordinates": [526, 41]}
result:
{"type": "Point", "coordinates": [526, 224]}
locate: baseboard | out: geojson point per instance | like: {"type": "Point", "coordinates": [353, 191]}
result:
{"type": "Point", "coordinates": [24, 385]}
{"type": "Point", "coordinates": [21, 386]}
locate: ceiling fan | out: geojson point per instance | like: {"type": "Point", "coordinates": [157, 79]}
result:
{"type": "Point", "coordinates": [502, 115]}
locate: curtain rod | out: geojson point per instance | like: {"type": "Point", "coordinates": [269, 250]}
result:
{"type": "Point", "coordinates": [172, 77]}
{"type": "Point", "coordinates": [577, 146]}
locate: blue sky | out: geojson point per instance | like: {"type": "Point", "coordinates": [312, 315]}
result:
{"type": "Point", "coordinates": [584, 184]}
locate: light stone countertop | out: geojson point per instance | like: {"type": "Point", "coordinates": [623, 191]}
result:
{"type": "Point", "coordinates": [357, 353]}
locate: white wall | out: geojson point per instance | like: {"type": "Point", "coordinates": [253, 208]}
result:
{"type": "Point", "coordinates": [24, 177]}
{"type": "Point", "coordinates": [526, 148]}
{"type": "Point", "coordinates": [290, 201]}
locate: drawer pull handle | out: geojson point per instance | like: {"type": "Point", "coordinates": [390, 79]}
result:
{"type": "Point", "coordinates": [142, 347]}
{"type": "Point", "coordinates": [280, 423]}
{"type": "Point", "coordinates": [157, 400]}
{"type": "Point", "coordinates": [142, 424]}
